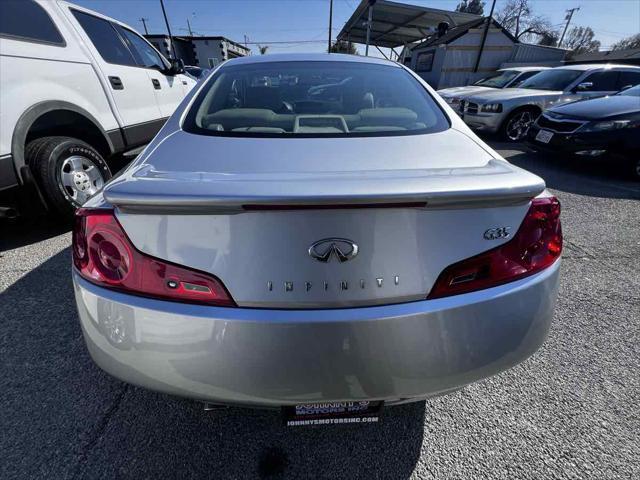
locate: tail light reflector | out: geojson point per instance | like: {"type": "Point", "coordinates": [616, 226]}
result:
{"type": "Point", "coordinates": [104, 255]}
{"type": "Point", "coordinates": [535, 246]}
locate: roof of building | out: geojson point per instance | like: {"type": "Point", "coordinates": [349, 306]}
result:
{"type": "Point", "coordinates": [189, 38]}
{"type": "Point", "coordinates": [397, 24]}
{"type": "Point", "coordinates": [609, 56]}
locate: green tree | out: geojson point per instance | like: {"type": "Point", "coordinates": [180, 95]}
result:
{"type": "Point", "coordinates": [471, 6]}
{"type": "Point", "coordinates": [340, 46]}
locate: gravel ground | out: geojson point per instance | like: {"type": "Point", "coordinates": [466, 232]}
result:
{"type": "Point", "coordinates": [570, 411]}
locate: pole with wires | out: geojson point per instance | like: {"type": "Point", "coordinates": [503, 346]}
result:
{"type": "Point", "coordinates": [485, 32]}
{"type": "Point", "coordinates": [330, 22]}
{"type": "Point", "coordinates": [144, 24]}
{"type": "Point", "coordinates": [166, 20]}
{"type": "Point", "coordinates": [568, 18]}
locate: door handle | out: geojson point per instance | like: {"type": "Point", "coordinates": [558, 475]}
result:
{"type": "Point", "coordinates": [156, 84]}
{"type": "Point", "coordinates": [116, 83]}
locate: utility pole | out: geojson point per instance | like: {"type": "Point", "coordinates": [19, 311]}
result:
{"type": "Point", "coordinates": [246, 39]}
{"type": "Point", "coordinates": [166, 21]}
{"type": "Point", "coordinates": [330, 21]}
{"type": "Point", "coordinates": [568, 18]}
{"type": "Point", "coordinates": [189, 27]}
{"type": "Point", "coordinates": [144, 23]}
{"type": "Point", "coordinates": [484, 37]}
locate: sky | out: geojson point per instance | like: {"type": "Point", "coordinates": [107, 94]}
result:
{"type": "Point", "coordinates": [305, 22]}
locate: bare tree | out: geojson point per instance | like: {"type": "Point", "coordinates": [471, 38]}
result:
{"type": "Point", "coordinates": [518, 18]}
{"type": "Point", "coordinates": [340, 46]}
{"type": "Point", "coordinates": [263, 49]}
{"type": "Point", "coordinates": [471, 6]}
{"type": "Point", "coordinates": [627, 43]}
{"type": "Point", "coordinates": [581, 40]}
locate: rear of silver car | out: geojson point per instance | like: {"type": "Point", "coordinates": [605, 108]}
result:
{"type": "Point", "coordinates": [316, 270]}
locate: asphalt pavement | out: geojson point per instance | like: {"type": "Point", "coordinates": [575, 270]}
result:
{"type": "Point", "coordinates": [570, 411]}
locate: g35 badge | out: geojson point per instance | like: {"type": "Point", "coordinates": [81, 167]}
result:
{"type": "Point", "coordinates": [497, 233]}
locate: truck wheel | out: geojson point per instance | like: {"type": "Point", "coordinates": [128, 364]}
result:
{"type": "Point", "coordinates": [68, 170]}
{"type": "Point", "coordinates": [517, 124]}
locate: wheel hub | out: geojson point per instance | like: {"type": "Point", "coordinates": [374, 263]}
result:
{"type": "Point", "coordinates": [80, 178]}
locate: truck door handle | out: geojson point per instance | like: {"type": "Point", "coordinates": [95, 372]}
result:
{"type": "Point", "coordinates": [116, 83]}
{"type": "Point", "coordinates": [156, 84]}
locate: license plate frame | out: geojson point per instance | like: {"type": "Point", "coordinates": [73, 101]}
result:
{"type": "Point", "coordinates": [544, 136]}
{"type": "Point", "coordinates": [332, 413]}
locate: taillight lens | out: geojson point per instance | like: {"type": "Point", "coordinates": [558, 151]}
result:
{"type": "Point", "coordinates": [535, 246]}
{"type": "Point", "coordinates": [104, 255]}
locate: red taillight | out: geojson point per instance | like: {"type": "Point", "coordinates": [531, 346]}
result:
{"type": "Point", "coordinates": [536, 245]}
{"type": "Point", "coordinates": [103, 254]}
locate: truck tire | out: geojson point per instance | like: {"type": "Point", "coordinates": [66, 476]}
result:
{"type": "Point", "coordinates": [68, 171]}
{"type": "Point", "coordinates": [516, 126]}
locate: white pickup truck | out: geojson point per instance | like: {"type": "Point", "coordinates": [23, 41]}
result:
{"type": "Point", "coordinates": [76, 89]}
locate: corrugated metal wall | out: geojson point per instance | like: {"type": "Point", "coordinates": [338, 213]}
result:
{"type": "Point", "coordinates": [527, 54]}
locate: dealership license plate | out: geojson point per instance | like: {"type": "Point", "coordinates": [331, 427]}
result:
{"type": "Point", "coordinates": [332, 413]}
{"type": "Point", "coordinates": [544, 136]}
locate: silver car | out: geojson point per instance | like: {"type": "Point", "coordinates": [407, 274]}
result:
{"type": "Point", "coordinates": [503, 78]}
{"type": "Point", "coordinates": [275, 249]}
{"type": "Point", "coordinates": [511, 112]}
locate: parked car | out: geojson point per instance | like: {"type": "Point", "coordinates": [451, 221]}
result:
{"type": "Point", "coordinates": [511, 112]}
{"type": "Point", "coordinates": [77, 88]}
{"type": "Point", "coordinates": [197, 73]}
{"type": "Point", "coordinates": [272, 249]}
{"type": "Point", "coordinates": [503, 78]}
{"type": "Point", "coordinates": [609, 125]}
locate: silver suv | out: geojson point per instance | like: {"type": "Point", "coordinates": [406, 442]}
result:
{"type": "Point", "coordinates": [512, 111]}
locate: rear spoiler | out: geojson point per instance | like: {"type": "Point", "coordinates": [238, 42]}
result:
{"type": "Point", "coordinates": [496, 183]}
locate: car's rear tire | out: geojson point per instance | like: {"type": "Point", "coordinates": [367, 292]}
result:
{"type": "Point", "coordinates": [68, 171]}
{"type": "Point", "coordinates": [517, 124]}
{"type": "Point", "coordinates": [634, 165]}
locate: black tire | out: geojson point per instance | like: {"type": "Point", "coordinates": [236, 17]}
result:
{"type": "Point", "coordinates": [634, 165]}
{"type": "Point", "coordinates": [63, 168]}
{"type": "Point", "coordinates": [507, 129]}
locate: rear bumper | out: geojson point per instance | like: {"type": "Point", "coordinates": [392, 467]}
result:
{"type": "Point", "coordinates": [262, 357]}
{"type": "Point", "coordinates": [484, 122]}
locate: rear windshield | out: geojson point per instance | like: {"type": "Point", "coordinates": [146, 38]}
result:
{"type": "Point", "coordinates": [498, 80]}
{"type": "Point", "coordinates": [313, 99]}
{"type": "Point", "coordinates": [554, 79]}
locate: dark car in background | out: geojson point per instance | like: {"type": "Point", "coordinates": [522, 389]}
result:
{"type": "Point", "coordinates": [592, 128]}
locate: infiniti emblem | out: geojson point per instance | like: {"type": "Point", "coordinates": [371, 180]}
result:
{"type": "Point", "coordinates": [341, 248]}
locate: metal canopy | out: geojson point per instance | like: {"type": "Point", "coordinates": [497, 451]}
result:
{"type": "Point", "coordinates": [395, 24]}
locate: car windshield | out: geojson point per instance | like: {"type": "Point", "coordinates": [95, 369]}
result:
{"type": "Point", "coordinates": [498, 80]}
{"type": "Point", "coordinates": [316, 98]}
{"type": "Point", "coordinates": [555, 79]}
{"type": "Point", "coordinates": [631, 92]}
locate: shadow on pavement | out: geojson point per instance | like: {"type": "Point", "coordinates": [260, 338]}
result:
{"type": "Point", "coordinates": [25, 231]}
{"type": "Point", "coordinates": [595, 177]}
{"type": "Point", "coordinates": [63, 417]}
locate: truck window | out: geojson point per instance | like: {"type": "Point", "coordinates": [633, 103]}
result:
{"type": "Point", "coordinates": [105, 38]}
{"type": "Point", "coordinates": [26, 20]}
{"type": "Point", "coordinates": [146, 56]}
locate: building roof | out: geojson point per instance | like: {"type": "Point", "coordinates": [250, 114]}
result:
{"type": "Point", "coordinates": [631, 54]}
{"type": "Point", "coordinates": [396, 24]}
{"type": "Point", "coordinates": [190, 38]}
